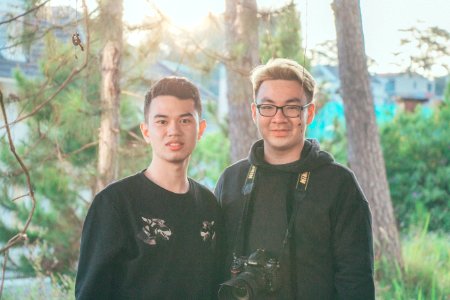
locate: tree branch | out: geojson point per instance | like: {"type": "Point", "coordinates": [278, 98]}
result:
{"type": "Point", "coordinates": [25, 13]}
{"type": "Point", "coordinates": [5, 259]}
{"type": "Point", "coordinates": [22, 234]}
{"type": "Point", "coordinates": [68, 79]}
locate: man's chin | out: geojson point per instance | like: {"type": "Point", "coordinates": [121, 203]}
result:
{"type": "Point", "coordinates": [177, 159]}
{"type": "Point", "coordinates": [282, 144]}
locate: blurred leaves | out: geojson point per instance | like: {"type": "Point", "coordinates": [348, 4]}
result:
{"type": "Point", "coordinates": [417, 155]}
{"type": "Point", "coordinates": [432, 50]}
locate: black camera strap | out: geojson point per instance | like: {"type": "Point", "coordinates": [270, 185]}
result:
{"type": "Point", "coordinates": [247, 189]}
{"type": "Point", "coordinates": [300, 194]}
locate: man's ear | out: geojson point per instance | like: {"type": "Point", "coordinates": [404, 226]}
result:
{"type": "Point", "coordinates": [201, 128]}
{"type": "Point", "coordinates": [311, 109]}
{"type": "Point", "coordinates": [254, 109]}
{"type": "Point", "coordinates": [145, 132]}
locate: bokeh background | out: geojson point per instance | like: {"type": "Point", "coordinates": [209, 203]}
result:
{"type": "Point", "coordinates": [60, 96]}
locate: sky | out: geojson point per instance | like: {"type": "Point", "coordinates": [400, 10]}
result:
{"type": "Point", "coordinates": [382, 20]}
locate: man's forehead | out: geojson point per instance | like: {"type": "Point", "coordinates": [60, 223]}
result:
{"type": "Point", "coordinates": [169, 106]}
{"type": "Point", "coordinates": [172, 103]}
{"type": "Point", "coordinates": [288, 89]}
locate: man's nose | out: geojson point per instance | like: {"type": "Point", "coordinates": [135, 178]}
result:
{"type": "Point", "coordinates": [173, 128]}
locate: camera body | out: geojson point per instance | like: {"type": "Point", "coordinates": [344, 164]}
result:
{"type": "Point", "coordinates": [257, 274]}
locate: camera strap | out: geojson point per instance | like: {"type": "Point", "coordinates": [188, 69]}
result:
{"type": "Point", "coordinates": [246, 191]}
{"type": "Point", "coordinates": [300, 194]}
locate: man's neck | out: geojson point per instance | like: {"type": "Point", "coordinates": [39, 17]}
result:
{"type": "Point", "coordinates": [172, 177]}
{"type": "Point", "coordinates": [281, 157]}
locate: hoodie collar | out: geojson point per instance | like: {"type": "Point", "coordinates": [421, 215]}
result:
{"type": "Point", "coordinates": [311, 158]}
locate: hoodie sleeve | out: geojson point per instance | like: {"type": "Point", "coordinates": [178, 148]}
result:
{"type": "Point", "coordinates": [352, 244]}
{"type": "Point", "coordinates": [101, 242]}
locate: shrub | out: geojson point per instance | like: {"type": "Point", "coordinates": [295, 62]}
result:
{"type": "Point", "coordinates": [417, 155]}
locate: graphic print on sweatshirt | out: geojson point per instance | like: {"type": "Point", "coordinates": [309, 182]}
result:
{"type": "Point", "coordinates": [154, 231]}
{"type": "Point", "coordinates": [208, 232]}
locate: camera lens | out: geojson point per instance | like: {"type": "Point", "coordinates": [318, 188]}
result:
{"type": "Point", "coordinates": [240, 293]}
{"type": "Point", "coordinates": [251, 277]}
{"type": "Point", "coordinates": [235, 292]}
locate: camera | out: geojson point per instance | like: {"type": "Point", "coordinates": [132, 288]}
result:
{"type": "Point", "coordinates": [258, 274]}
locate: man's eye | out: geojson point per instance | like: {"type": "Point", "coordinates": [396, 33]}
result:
{"type": "Point", "coordinates": [161, 122]}
{"type": "Point", "coordinates": [292, 107]}
{"type": "Point", "coordinates": [185, 121]}
{"type": "Point", "coordinates": [266, 107]}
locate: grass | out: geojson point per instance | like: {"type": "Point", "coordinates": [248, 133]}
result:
{"type": "Point", "coordinates": [426, 273]}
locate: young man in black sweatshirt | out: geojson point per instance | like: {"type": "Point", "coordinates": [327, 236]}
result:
{"type": "Point", "coordinates": [153, 235]}
{"type": "Point", "coordinates": [293, 201]}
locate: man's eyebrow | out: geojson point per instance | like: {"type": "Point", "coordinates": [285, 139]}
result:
{"type": "Point", "coordinates": [159, 116]}
{"type": "Point", "coordinates": [268, 100]}
{"type": "Point", "coordinates": [294, 100]}
{"type": "Point", "coordinates": [265, 99]}
{"type": "Point", "coordinates": [165, 116]}
{"type": "Point", "coordinates": [186, 115]}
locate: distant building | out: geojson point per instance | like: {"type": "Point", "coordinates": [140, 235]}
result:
{"type": "Point", "coordinates": [8, 31]}
{"type": "Point", "coordinates": [408, 89]}
{"type": "Point", "coordinates": [327, 78]}
{"type": "Point", "coordinates": [405, 89]}
{"type": "Point", "coordinates": [391, 93]}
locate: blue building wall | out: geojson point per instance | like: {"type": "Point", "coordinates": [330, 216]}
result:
{"type": "Point", "coordinates": [322, 126]}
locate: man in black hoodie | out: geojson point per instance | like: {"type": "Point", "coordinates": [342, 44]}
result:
{"type": "Point", "coordinates": [294, 202]}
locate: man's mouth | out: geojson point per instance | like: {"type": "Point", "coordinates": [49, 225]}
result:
{"type": "Point", "coordinates": [279, 132]}
{"type": "Point", "coordinates": [174, 145]}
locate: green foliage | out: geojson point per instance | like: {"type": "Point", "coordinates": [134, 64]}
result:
{"type": "Point", "coordinates": [210, 158]}
{"type": "Point", "coordinates": [59, 148]}
{"type": "Point", "coordinates": [447, 93]}
{"type": "Point", "coordinates": [55, 153]}
{"type": "Point", "coordinates": [426, 264]}
{"type": "Point", "coordinates": [417, 155]}
{"type": "Point", "coordinates": [337, 144]}
{"type": "Point", "coordinates": [281, 36]}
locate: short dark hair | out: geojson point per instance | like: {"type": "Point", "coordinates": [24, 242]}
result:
{"type": "Point", "coordinates": [179, 87]}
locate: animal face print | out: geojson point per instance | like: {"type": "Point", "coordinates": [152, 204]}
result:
{"type": "Point", "coordinates": [154, 231]}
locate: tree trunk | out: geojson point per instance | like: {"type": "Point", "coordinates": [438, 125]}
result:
{"type": "Point", "coordinates": [242, 46]}
{"type": "Point", "coordinates": [365, 156]}
{"type": "Point", "coordinates": [111, 16]}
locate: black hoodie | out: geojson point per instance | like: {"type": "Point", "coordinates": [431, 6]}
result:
{"type": "Point", "coordinates": [331, 256]}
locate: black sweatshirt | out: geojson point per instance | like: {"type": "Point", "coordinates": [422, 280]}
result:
{"type": "Point", "coordinates": [141, 241]}
{"type": "Point", "coordinates": [332, 256]}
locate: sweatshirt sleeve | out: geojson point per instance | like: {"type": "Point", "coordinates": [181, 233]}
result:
{"type": "Point", "coordinates": [101, 242]}
{"type": "Point", "coordinates": [218, 189]}
{"type": "Point", "coordinates": [352, 244]}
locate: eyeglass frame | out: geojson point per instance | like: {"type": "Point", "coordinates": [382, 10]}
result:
{"type": "Point", "coordinates": [300, 107]}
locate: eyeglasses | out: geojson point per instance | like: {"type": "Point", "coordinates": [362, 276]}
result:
{"type": "Point", "coordinates": [289, 111]}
